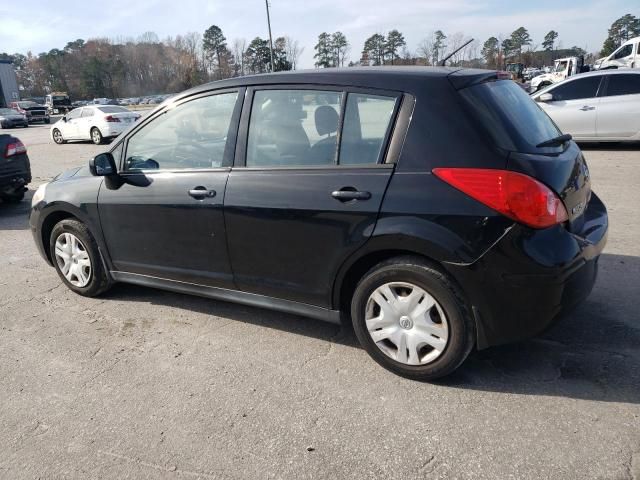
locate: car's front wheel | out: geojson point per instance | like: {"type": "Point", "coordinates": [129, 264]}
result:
{"type": "Point", "coordinates": [77, 260]}
{"type": "Point", "coordinates": [96, 136]}
{"type": "Point", "coordinates": [57, 136]}
{"type": "Point", "coordinates": [412, 319]}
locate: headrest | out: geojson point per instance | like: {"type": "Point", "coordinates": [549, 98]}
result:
{"type": "Point", "coordinates": [326, 120]}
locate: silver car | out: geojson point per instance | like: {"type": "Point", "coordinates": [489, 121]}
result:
{"type": "Point", "coordinates": [600, 106]}
{"type": "Point", "coordinates": [10, 118]}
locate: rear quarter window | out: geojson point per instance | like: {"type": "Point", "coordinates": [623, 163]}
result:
{"type": "Point", "coordinates": [511, 118]}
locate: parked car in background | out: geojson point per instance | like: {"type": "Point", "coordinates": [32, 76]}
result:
{"type": "Point", "coordinates": [599, 106]}
{"type": "Point", "coordinates": [626, 56]}
{"type": "Point", "coordinates": [15, 169]}
{"type": "Point", "coordinates": [319, 193]}
{"type": "Point", "coordinates": [33, 111]}
{"type": "Point", "coordinates": [10, 118]}
{"type": "Point", "coordinates": [93, 122]}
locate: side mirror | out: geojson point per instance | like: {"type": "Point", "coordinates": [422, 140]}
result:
{"type": "Point", "coordinates": [103, 165]}
{"type": "Point", "coordinates": [545, 97]}
{"type": "Point", "coordinates": [64, 119]}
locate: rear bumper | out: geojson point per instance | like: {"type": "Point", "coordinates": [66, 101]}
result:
{"type": "Point", "coordinates": [531, 277]}
{"type": "Point", "coordinates": [15, 174]}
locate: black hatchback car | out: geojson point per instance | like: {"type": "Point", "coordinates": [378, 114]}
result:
{"type": "Point", "coordinates": [438, 209]}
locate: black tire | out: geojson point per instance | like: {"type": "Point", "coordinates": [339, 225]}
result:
{"type": "Point", "coordinates": [57, 137]}
{"type": "Point", "coordinates": [96, 136]}
{"type": "Point", "coordinates": [15, 197]}
{"type": "Point", "coordinates": [414, 270]}
{"type": "Point", "coordinates": [99, 281]}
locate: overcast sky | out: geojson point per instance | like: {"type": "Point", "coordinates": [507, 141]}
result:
{"type": "Point", "coordinates": [37, 26]}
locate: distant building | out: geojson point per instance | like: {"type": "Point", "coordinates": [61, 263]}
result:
{"type": "Point", "coordinates": [8, 84]}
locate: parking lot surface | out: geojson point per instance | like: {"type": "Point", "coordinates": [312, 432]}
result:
{"type": "Point", "coordinates": [142, 383]}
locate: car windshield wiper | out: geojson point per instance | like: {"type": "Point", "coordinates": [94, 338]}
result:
{"type": "Point", "coordinates": [559, 140]}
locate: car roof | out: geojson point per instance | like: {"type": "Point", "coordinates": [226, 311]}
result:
{"type": "Point", "coordinates": [387, 77]}
{"type": "Point", "coordinates": [614, 71]}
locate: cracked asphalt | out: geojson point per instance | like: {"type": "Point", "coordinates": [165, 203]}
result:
{"type": "Point", "coordinates": [148, 384]}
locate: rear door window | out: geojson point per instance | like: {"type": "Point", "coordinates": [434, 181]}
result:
{"type": "Point", "coordinates": [367, 121]}
{"type": "Point", "coordinates": [577, 89]}
{"type": "Point", "coordinates": [294, 128]}
{"type": "Point", "coordinates": [623, 84]}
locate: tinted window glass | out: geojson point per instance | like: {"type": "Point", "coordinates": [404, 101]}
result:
{"type": "Point", "coordinates": [514, 121]}
{"type": "Point", "coordinates": [623, 85]}
{"type": "Point", "coordinates": [190, 135]}
{"type": "Point", "coordinates": [577, 89]}
{"type": "Point", "coordinates": [366, 121]}
{"type": "Point", "coordinates": [293, 127]}
{"type": "Point", "coordinates": [624, 52]}
{"type": "Point", "coordinates": [112, 109]}
{"type": "Point", "coordinates": [74, 114]}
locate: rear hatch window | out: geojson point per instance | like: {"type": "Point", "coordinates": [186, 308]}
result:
{"type": "Point", "coordinates": [511, 118]}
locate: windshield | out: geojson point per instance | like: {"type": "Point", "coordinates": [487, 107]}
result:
{"type": "Point", "coordinates": [561, 66]}
{"type": "Point", "coordinates": [57, 98]}
{"type": "Point", "coordinates": [513, 120]}
{"type": "Point", "coordinates": [27, 104]}
{"type": "Point", "coordinates": [112, 109]}
{"type": "Point", "coordinates": [8, 111]}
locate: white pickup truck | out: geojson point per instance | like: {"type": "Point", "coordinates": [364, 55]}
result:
{"type": "Point", "coordinates": [626, 56]}
{"type": "Point", "coordinates": [562, 69]}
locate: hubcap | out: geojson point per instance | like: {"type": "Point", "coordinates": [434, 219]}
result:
{"type": "Point", "coordinates": [73, 259]}
{"type": "Point", "coordinates": [57, 136]}
{"type": "Point", "coordinates": [406, 323]}
{"type": "Point", "coordinates": [96, 136]}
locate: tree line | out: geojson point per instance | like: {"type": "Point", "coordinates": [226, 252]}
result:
{"type": "Point", "coordinates": [146, 65]}
{"type": "Point", "coordinates": [134, 67]}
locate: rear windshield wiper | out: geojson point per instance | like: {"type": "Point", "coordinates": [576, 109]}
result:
{"type": "Point", "coordinates": [559, 140]}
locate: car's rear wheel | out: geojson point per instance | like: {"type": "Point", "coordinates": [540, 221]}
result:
{"type": "Point", "coordinates": [57, 136]}
{"type": "Point", "coordinates": [96, 136]}
{"type": "Point", "coordinates": [77, 259]}
{"type": "Point", "coordinates": [412, 319]}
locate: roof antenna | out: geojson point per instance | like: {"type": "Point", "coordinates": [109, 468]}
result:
{"type": "Point", "coordinates": [443, 61]}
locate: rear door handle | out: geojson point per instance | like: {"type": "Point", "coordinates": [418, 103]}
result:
{"type": "Point", "coordinates": [587, 108]}
{"type": "Point", "coordinates": [350, 193]}
{"type": "Point", "coordinates": [202, 192]}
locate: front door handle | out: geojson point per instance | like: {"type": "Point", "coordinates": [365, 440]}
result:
{"type": "Point", "coordinates": [587, 108]}
{"type": "Point", "coordinates": [349, 193]}
{"type": "Point", "coordinates": [202, 192]}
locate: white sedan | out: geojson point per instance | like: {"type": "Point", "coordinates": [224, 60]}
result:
{"type": "Point", "coordinates": [93, 122]}
{"type": "Point", "coordinates": [600, 106]}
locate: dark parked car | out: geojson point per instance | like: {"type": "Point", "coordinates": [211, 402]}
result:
{"type": "Point", "coordinates": [10, 118]}
{"type": "Point", "coordinates": [33, 111]}
{"type": "Point", "coordinates": [15, 169]}
{"type": "Point", "coordinates": [438, 209]}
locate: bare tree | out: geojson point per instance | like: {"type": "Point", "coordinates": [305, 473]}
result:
{"type": "Point", "coordinates": [239, 47]}
{"type": "Point", "coordinates": [293, 50]}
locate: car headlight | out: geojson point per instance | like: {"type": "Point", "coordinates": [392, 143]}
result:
{"type": "Point", "coordinates": [39, 195]}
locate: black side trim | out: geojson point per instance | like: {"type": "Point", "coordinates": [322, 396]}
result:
{"type": "Point", "coordinates": [235, 296]}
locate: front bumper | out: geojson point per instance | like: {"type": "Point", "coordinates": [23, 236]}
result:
{"type": "Point", "coordinates": [531, 277]}
{"type": "Point", "coordinates": [13, 123]}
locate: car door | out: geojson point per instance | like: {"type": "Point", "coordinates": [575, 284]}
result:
{"type": "Point", "coordinates": [84, 123]}
{"type": "Point", "coordinates": [163, 217]}
{"type": "Point", "coordinates": [69, 126]}
{"type": "Point", "coordinates": [618, 115]}
{"type": "Point", "coordinates": [574, 104]}
{"type": "Point", "coordinates": [306, 188]}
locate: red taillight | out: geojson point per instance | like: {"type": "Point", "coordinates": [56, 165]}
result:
{"type": "Point", "coordinates": [15, 148]}
{"type": "Point", "coordinates": [111, 118]}
{"type": "Point", "coordinates": [515, 195]}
